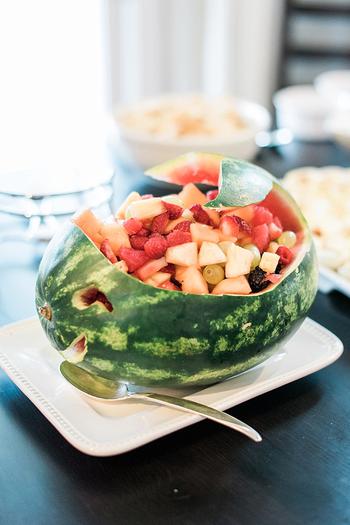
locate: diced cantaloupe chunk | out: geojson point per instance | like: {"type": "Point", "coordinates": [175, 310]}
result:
{"type": "Point", "coordinates": [210, 253]}
{"type": "Point", "coordinates": [117, 236]}
{"type": "Point", "coordinates": [179, 270]}
{"type": "Point", "coordinates": [244, 212]}
{"type": "Point", "coordinates": [90, 225]}
{"type": "Point", "coordinates": [145, 208]}
{"type": "Point", "coordinates": [158, 278]}
{"type": "Point", "coordinates": [202, 232]}
{"type": "Point", "coordinates": [182, 254]}
{"type": "Point", "coordinates": [269, 261]}
{"type": "Point", "coordinates": [191, 195]}
{"type": "Point", "coordinates": [150, 268]}
{"type": "Point", "coordinates": [133, 196]}
{"type": "Point", "coordinates": [239, 261]}
{"type": "Point", "coordinates": [235, 285]}
{"type": "Point", "coordinates": [192, 281]}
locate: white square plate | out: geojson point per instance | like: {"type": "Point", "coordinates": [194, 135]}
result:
{"type": "Point", "coordinates": [105, 428]}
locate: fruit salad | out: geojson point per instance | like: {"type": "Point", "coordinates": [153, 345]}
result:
{"type": "Point", "coordinates": [174, 243]}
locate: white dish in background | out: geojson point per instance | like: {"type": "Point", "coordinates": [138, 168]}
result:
{"type": "Point", "coordinates": [101, 428]}
{"type": "Point", "coordinates": [146, 150]}
{"type": "Point", "coordinates": [330, 280]}
{"type": "Point", "coordinates": [334, 88]}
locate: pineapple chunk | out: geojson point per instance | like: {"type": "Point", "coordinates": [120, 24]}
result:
{"type": "Point", "coordinates": [210, 253]}
{"type": "Point", "coordinates": [133, 196]}
{"type": "Point", "coordinates": [269, 262]}
{"type": "Point", "coordinates": [235, 285]}
{"type": "Point", "coordinates": [239, 261]}
{"type": "Point", "coordinates": [182, 254]}
{"type": "Point", "coordinates": [117, 236]}
{"type": "Point", "coordinates": [145, 208]}
{"type": "Point", "coordinates": [192, 281]}
{"type": "Point", "coordinates": [158, 278]}
{"type": "Point", "coordinates": [224, 245]}
{"type": "Point", "coordinates": [202, 232]}
{"type": "Point", "coordinates": [191, 195]}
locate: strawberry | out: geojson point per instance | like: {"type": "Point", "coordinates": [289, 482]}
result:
{"type": "Point", "coordinates": [168, 285]}
{"type": "Point", "coordinates": [134, 258]}
{"type": "Point", "coordinates": [261, 216]}
{"type": "Point", "coordinates": [156, 247]}
{"type": "Point", "coordinates": [260, 236]}
{"type": "Point", "coordinates": [230, 225]}
{"type": "Point", "coordinates": [212, 194]}
{"type": "Point", "coordinates": [160, 222]}
{"type": "Point", "coordinates": [174, 211]}
{"type": "Point", "coordinates": [178, 237]}
{"type": "Point", "coordinates": [200, 215]}
{"type": "Point", "coordinates": [133, 226]}
{"type": "Point", "coordinates": [286, 255]}
{"type": "Point", "coordinates": [183, 226]}
{"type": "Point", "coordinates": [138, 241]}
{"type": "Point", "coordinates": [107, 251]}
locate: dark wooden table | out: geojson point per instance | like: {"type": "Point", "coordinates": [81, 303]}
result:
{"type": "Point", "coordinates": [205, 474]}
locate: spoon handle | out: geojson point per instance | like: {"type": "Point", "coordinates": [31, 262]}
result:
{"type": "Point", "coordinates": [197, 408]}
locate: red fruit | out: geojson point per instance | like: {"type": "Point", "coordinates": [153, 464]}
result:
{"type": "Point", "coordinates": [286, 255]}
{"type": "Point", "coordinates": [147, 196]}
{"type": "Point", "coordinates": [160, 222]}
{"type": "Point", "coordinates": [134, 258]}
{"type": "Point", "coordinates": [168, 285]}
{"type": "Point", "coordinates": [200, 215]}
{"type": "Point", "coordinates": [178, 237]}
{"type": "Point", "coordinates": [148, 269]}
{"type": "Point", "coordinates": [156, 247]}
{"type": "Point", "coordinates": [275, 229]}
{"type": "Point", "coordinates": [169, 268]}
{"type": "Point", "coordinates": [138, 241]}
{"type": "Point", "coordinates": [260, 236]}
{"type": "Point", "coordinates": [183, 226]}
{"type": "Point", "coordinates": [212, 194]}
{"type": "Point", "coordinates": [107, 251]}
{"type": "Point", "coordinates": [174, 211]}
{"type": "Point", "coordinates": [244, 227]}
{"type": "Point", "coordinates": [144, 232]}
{"type": "Point", "coordinates": [133, 226]}
{"type": "Point", "coordinates": [273, 277]}
{"type": "Point", "coordinates": [262, 216]}
{"type": "Point", "coordinates": [230, 225]}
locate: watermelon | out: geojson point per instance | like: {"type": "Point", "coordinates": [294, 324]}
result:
{"type": "Point", "coordinates": [114, 325]}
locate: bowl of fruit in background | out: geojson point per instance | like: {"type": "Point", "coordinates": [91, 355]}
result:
{"type": "Point", "coordinates": [184, 289]}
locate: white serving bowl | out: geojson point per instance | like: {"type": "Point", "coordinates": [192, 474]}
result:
{"type": "Point", "coordinates": [338, 126]}
{"type": "Point", "coordinates": [334, 87]}
{"type": "Point", "coordinates": [146, 150]}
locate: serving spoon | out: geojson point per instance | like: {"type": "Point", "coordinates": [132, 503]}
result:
{"type": "Point", "coordinates": [101, 388]}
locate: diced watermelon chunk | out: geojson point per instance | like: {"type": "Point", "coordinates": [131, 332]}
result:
{"type": "Point", "coordinates": [261, 237]}
{"type": "Point", "coordinates": [261, 216]}
{"type": "Point", "coordinates": [133, 226]}
{"type": "Point", "coordinates": [133, 258]}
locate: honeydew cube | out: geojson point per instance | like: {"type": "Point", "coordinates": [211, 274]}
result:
{"type": "Point", "coordinates": [269, 262]}
{"type": "Point", "coordinates": [210, 253]}
{"type": "Point", "coordinates": [158, 278]}
{"type": "Point", "coordinates": [224, 245]}
{"type": "Point", "coordinates": [192, 281]}
{"type": "Point", "coordinates": [191, 195]}
{"type": "Point", "coordinates": [145, 208]}
{"type": "Point", "coordinates": [117, 236]}
{"type": "Point", "coordinates": [182, 254]}
{"type": "Point", "coordinates": [235, 285]}
{"type": "Point", "coordinates": [239, 261]}
{"type": "Point", "coordinates": [133, 196]}
{"type": "Point", "coordinates": [202, 232]}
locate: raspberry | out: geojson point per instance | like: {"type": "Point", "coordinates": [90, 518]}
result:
{"type": "Point", "coordinates": [286, 256]}
{"type": "Point", "coordinates": [200, 215]}
{"type": "Point", "coordinates": [134, 258]}
{"type": "Point", "coordinates": [183, 226]}
{"type": "Point", "coordinates": [160, 222]}
{"type": "Point", "coordinates": [107, 251]}
{"type": "Point", "coordinates": [133, 226]}
{"type": "Point", "coordinates": [178, 237]}
{"type": "Point", "coordinates": [212, 194]}
{"type": "Point", "coordinates": [174, 211]}
{"type": "Point", "coordinates": [143, 232]}
{"type": "Point", "coordinates": [138, 241]}
{"type": "Point", "coordinates": [156, 247]}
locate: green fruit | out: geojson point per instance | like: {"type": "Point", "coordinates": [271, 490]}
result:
{"type": "Point", "coordinates": [256, 254]}
{"type": "Point", "coordinates": [213, 273]}
{"type": "Point", "coordinates": [114, 325]}
{"type": "Point", "coordinates": [287, 238]}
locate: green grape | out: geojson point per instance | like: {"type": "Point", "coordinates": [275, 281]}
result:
{"type": "Point", "coordinates": [256, 254]}
{"type": "Point", "coordinates": [288, 239]}
{"type": "Point", "coordinates": [213, 273]}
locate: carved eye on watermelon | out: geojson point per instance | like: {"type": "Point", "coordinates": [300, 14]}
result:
{"type": "Point", "coordinates": [183, 290]}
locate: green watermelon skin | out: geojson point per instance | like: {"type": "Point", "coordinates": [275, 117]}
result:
{"type": "Point", "coordinates": [160, 337]}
